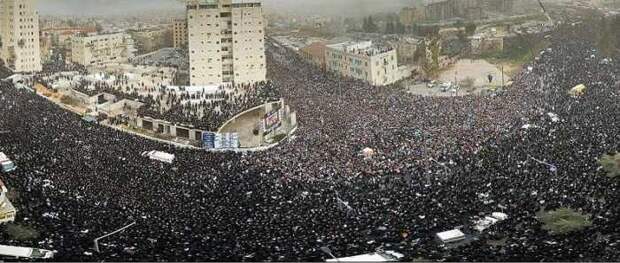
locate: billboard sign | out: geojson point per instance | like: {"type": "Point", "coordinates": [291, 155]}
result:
{"type": "Point", "coordinates": [220, 140]}
{"type": "Point", "coordinates": [208, 140]}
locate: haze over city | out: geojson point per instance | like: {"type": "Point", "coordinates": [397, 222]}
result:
{"type": "Point", "coordinates": [309, 130]}
{"type": "Point", "coordinates": [314, 7]}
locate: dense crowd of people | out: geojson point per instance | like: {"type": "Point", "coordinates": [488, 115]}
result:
{"type": "Point", "coordinates": [439, 163]}
{"type": "Point", "coordinates": [198, 108]}
{"type": "Point", "coordinates": [207, 111]}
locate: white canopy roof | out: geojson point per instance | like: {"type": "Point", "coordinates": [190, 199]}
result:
{"type": "Point", "coordinates": [160, 156]}
{"type": "Point", "coordinates": [370, 257]}
{"type": "Point", "coordinates": [452, 235]}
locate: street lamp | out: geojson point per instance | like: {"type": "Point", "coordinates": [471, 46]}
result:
{"type": "Point", "coordinates": [328, 251]}
{"type": "Point", "coordinates": [552, 168]}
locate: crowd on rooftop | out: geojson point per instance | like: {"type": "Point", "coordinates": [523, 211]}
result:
{"type": "Point", "coordinates": [438, 163]}
{"type": "Point", "coordinates": [199, 109]}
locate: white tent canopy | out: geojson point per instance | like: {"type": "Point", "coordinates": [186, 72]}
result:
{"type": "Point", "coordinates": [451, 236]}
{"type": "Point", "coordinates": [159, 156]}
{"type": "Point", "coordinates": [387, 256]}
{"type": "Point", "coordinates": [25, 252]}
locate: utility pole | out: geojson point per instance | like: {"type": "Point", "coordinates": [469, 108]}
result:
{"type": "Point", "coordinates": [502, 76]}
{"type": "Point", "coordinates": [96, 240]}
{"type": "Point", "coordinates": [456, 91]}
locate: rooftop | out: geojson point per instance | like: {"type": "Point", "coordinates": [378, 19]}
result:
{"type": "Point", "coordinates": [365, 48]}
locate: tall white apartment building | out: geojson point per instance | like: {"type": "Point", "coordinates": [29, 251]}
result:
{"type": "Point", "coordinates": [377, 66]}
{"type": "Point", "coordinates": [98, 50]}
{"type": "Point", "coordinates": [19, 35]}
{"type": "Point", "coordinates": [226, 42]}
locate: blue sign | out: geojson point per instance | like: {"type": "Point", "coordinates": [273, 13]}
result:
{"type": "Point", "coordinates": [208, 140]}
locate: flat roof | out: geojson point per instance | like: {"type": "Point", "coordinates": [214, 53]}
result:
{"type": "Point", "coordinates": [451, 235]}
{"type": "Point", "coordinates": [372, 257]}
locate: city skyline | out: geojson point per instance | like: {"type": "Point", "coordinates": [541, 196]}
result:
{"type": "Point", "coordinates": [320, 7]}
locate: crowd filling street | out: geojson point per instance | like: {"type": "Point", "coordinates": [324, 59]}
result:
{"type": "Point", "coordinates": [437, 163]}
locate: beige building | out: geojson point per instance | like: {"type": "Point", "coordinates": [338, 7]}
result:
{"type": "Point", "coordinates": [99, 49]}
{"type": "Point", "coordinates": [7, 210]}
{"type": "Point", "coordinates": [226, 42]}
{"type": "Point", "coordinates": [377, 66]}
{"type": "Point", "coordinates": [149, 40]}
{"type": "Point", "coordinates": [405, 49]}
{"type": "Point", "coordinates": [179, 33]}
{"type": "Point", "coordinates": [19, 35]}
{"type": "Point", "coordinates": [315, 53]}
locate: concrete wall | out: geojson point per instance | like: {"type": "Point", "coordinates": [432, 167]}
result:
{"type": "Point", "coordinates": [169, 129]}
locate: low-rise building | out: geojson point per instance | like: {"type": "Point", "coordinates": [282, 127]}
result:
{"type": "Point", "coordinates": [376, 65]}
{"type": "Point", "coordinates": [315, 53]}
{"type": "Point", "coordinates": [100, 49]}
{"type": "Point", "coordinates": [149, 40]}
{"type": "Point", "coordinates": [63, 35]}
{"type": "Point", "coordinates": [405, 49]}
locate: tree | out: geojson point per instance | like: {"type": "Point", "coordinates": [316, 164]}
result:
{"type": "Point", "coordinates": [435, 52]}
{"type": "Point", "coordinates": [564, 220]}
{"type": "Point", "coordinates": [389, 28]}
{"type": "Point", "coordinates": [420, 52]}
{"type": "Point", "coordinates": [71, 23]}
{"type": "Point", "coordinates": [470, 29]}
{"type": "Point", "coordinates": [98, 27]}
{"type": "Point", "coordinates": [400, 28]}
{"type": "Point", "coordinates": [429, 60]}
{"type": "Point", "coordinates": [611, 164]}
{"type": "Point", "coordinates": [352, 25]}
{"type": "Point", "coordinates": [372, 27]}
{"type": "Point", "coordinates": [365, 26]}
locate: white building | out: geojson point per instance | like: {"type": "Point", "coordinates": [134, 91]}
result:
{"type": "Point", "coordinates": [377, 66]}
{"type": "Point", "coordinates": [99, 50]}
{"type": "Point", "coordinates": [7, 210]}
{"type": "Point", "coordinates": [226, 42]}
{"type": "Point", "coordinates": [19, 35]}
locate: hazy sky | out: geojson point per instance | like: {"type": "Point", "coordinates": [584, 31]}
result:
{"type": "Point", "coordinates": [328, 7]}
